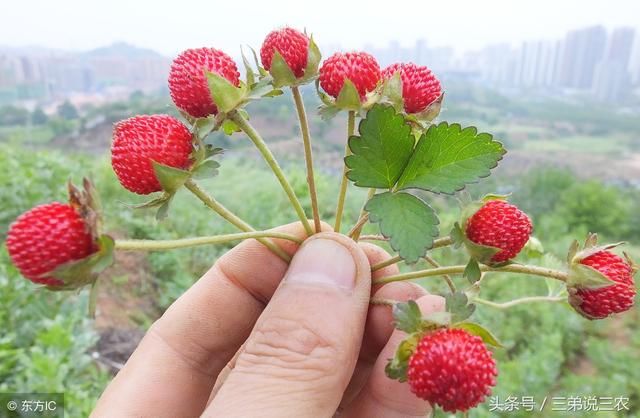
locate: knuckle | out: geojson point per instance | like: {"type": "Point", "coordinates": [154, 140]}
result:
{"type": "Point", "coordinates": [291, 350]}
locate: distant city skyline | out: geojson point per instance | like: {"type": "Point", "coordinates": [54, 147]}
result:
{"type": "Point", "coordinates": [170, 27]}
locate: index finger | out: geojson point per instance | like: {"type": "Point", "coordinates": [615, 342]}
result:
{"type": "Point", "coordinates": [174, 368]}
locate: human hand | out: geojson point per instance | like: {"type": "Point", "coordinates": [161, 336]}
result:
{"type": "Point", "coordinates": [255, 337]}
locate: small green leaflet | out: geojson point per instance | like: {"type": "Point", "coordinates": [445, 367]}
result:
{"type": "Point", "coordinates": [410, 224]}
{"type": "Point", "coordinates": [472, 271]}
{"type": "Point", "coordinates": [407, 316]}
{"type": "Point", "coordinates": [447, 157]}
{"type": "Point", "coordinates": [458, 305]}
{"type": "Point", "coordinates": [382, 150]}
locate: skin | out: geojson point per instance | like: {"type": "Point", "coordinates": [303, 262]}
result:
{"type": "Point", "coordinates": [256, 337]}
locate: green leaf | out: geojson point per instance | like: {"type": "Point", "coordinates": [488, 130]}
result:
{"type": "Point", "coordinates": [472, 271]}
{"type": "Point", "coordinates": [348, 98]}
{"type": "Point", "coordinates": [76, 274]}
{"type": "Point", "coordinates": [225, 95]}
{"type": "Point", "coordinates": [397, 367]}
{"type": "Point", "coordinates": [410, 224]}
{"type": "Point", "coordinates": [382, 150]}
{"type": "Point", "coordinates": [407, 316]}
{"type": "Point", "coordinates": [206, 170]}
{"type": "Point", "coordinates": [480, 331]}
{"type": "Point", "coordinates": [448, 157]}
{"type": "Point", "coordinates": [458, 305]}
{"type": "Point", "coordinates": [170, 178]}
{"type": "Point", "coordinates": [281, 72]}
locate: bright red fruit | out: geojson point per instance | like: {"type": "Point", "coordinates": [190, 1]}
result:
{"type": "Point", "coordinates": [420, 87]}
{"type": "Point", "coordinates": [292, 44]}
{"type": "Point", "coordinates": [46, 237]}
{"type": "Point", "coordinates": [188, 84]}
{"type": "Point", "coordinates": [359, 67]}
{"type": "Point", "coordinates": [139, 140]}
{"type": "Point", "coordinates": [598, 303]}
{"type": "Point", "coordinates": [453, 369]}
{"type": "Point", "coordinates": [502, 225]}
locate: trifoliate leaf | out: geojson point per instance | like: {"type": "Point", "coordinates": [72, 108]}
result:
{"type": "Point", "coordinates": [480, 331]}
{"type": "Point", "coordinates": [472, 271]}
{"type": "Point", "coordinates": [458, 305]}
{"type": "Point", "coordinates": [448, 157]}
{"type": "Point", "coordinates": [410, 224]}
{"type": "Point", "coordinates": [407, 316]}
{"type": "Point", "coordinates": [382, 150]}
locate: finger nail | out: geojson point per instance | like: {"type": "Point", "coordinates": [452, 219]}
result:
{"type": "Point", "coordinates": [323, 261]}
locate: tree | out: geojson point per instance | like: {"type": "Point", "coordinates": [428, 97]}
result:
{"type": "Point", "coordinates": [12, 115]}
{"type": "Point", "coordinates": [38, 117]}
{"type": "Point", "coordinates": [67, 111]}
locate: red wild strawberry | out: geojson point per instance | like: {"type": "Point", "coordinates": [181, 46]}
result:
{"type": "Point", "coordinates": [293, 45]}
{"type": "Point", "coordinates": [598, 303]}
{"type": "Point", "coordinates": [453, 369]}
{"type": "Point", "coordinates": [139, 140]}
{"type": "Point", "coordinates": [359, 67]}
{"type": "Point", "coordinates": [46, 237]}
{"type": "Point", "coordinates": [188, 83]}
{"type": "Point", "coordinates": [420, 87]}
{"type": "Point", "coordinates": [501, 225]}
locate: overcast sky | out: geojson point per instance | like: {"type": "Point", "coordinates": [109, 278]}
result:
{"type": "Point", "coordinates": [171, 26]}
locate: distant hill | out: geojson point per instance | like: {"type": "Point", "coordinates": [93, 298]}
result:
{"type": "Point", "coordinates": [123, 50]}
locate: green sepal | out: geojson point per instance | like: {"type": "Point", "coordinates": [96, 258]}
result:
{"type": "Point", "coordinates": [328, 112]}
{"type": "Point", "coordinates": [480, 331]}
{"type": "Point", "coordinates": [407, 316]}
{"type": "Point", "coordinates": [534, 248]}
{"type": "Point", "coordinates": [207, 169]}
{"type": "Point", "coordinates": [250, 75]}
{"type": "Point", "coordinates": [430, 112]}
{"type": "Point", "coordinates": [204, 126]}
{"type": "Point", "coordinates": [397, 366]}
{"type": "Point", "coordinates": [170, 178]}
{"type": "Point", "coordinates": [458, 305]}
{"type": "Point", "coordinates": [583, 276]}
{"type": "Point", "coordinates": [229, 127]}
{"type": "Point", "coordinates": [392, 91]}
{"type": "Point", "coordinates": [313, 61]}
{"type": "Point", "coordinates": [225, 95]}
{"type": "Point", "coordinates": [261, 70]}
{"type": "Point", "coordinates": [472, 271]}
{"type": "Point", "coordinates": [348, 98]}
{"type": "Point", "coordinates": [76, 274]}
{"type": "Point", "coordinates": [281, 72]}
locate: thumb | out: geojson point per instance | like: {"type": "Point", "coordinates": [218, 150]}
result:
{"type": "Point", "coordinates": [302, 352]}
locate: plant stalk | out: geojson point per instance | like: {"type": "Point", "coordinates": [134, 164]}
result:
{"type": "Point", "coordinates": [531, 299]}
{"type": "Point", "coordinates": [172, 244]}
{"type": "Point", "coordinates": [275, 167]}
{"type": "Point", "coordinates": [358, 229]}
{"type": "Point", "coordinates": [308, 155]}
{"type": "Point", "coordinates": [351, 127]}
{"type": "Point", "coordinates": [513, 268]}
{"type": "Point", "coordinates": [232, 218]}
{"type": "Point", "coordinates": [438, 243]}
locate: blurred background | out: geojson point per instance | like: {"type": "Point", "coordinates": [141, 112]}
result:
{"type": "Point", "coordinates": [557, 82]}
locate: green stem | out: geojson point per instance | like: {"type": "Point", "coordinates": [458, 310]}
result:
{"type": "Point", "coordinates": [308, 155]}
{"type": "Point", "coordinates": [438, 243]}
{"type": "Point", "coordinates": [373, 238]}
{"type": "Point", "coordinates": [232, 218]}
{"type": "Point", "coordinates": [382, 302]}
{"type": "Point", "coordinates": [354, 233]}
{"type": "Point", "coordinates": [532, 299]}
{"type": "Point", "coordinates": [271, 161]}
{"type": "Point", "coordinates": [172, 244]}
{"type": "Point", "coordinates": [446, 277]}
{"type": "Point", "coordinates": [351, 127]}
{"type": "Point", "coordinates": [513, 268]}
{"type": "Point", "coordinates": [363, 213]}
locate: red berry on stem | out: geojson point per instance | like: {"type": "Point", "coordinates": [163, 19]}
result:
{"type": "Point", "coordinates": [420, 87]}
{"type": "Point", "coordinates": [598, 303]}
{"type": "Point", "coordinates": [139, 140]}
{"type": "Point", "coordinates": [453, 369]}
{"type": "Point", "coordinates": [188, 83]}
{"type": "Point", "coordinates": [359, 67]}
{"type": "Point", "coordinates": [46, 237]}
{"type": "Point", "coordinates": [292, 44]}
{"type": "Point", "coordinates": [502, 225]}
